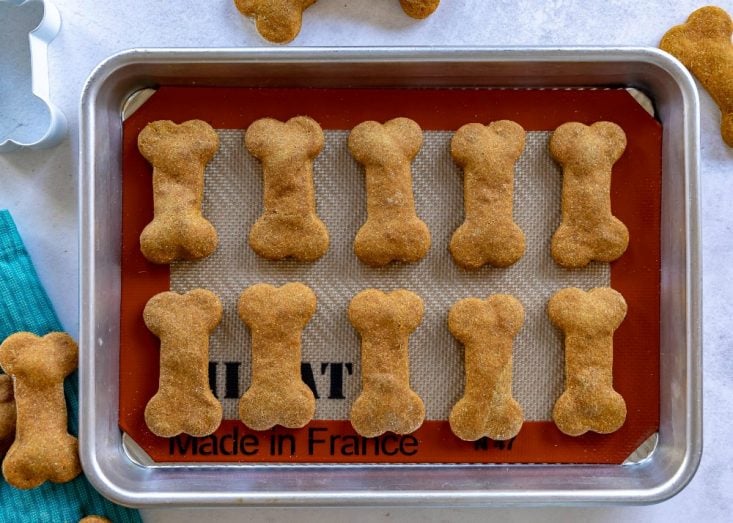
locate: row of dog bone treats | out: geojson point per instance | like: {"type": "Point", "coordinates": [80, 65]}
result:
{"type": "Point", "coordinates": [277, 395]}
{"type": "Point", "coordinates": [290, 227]}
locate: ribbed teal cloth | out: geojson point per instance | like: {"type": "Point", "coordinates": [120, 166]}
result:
{"type": "Point", "coordinates": [24, 306]}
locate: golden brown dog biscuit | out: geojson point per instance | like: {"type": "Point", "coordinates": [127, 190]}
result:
{"type": "Point", "coordinates": [487, 154]}
{"type": "Point", "coordinates": [419, 8]}
{"type": "Point", "coordinates": [588, 321]}
{"type": "Point", "coordinates": [276, 318]}
{"type": "Point", "coordinates": [43, 449]}
{"type": "Point", "coordinates": [7, 414]}
{"type": "Point", "coordinates": [277, 20]}
{"type": "Point", "coordinates": [385, 321]}
{"type": "Point", "coordinates": [178, 154]}
{"type": "Point", "coordinates": [703, 45]}
{"type": "Point", "coordinates": [184, 402]}
{"type": "Point", "coordinates": [289, 226]}
{"type": "Point", "coordinates": [487, 329]}
{"type": "Point", "coordinates": [392, 232]}
{"type": "Point", "coordinates": [588, 231]}
{"type": "Point", "coordinates": [94, 519]}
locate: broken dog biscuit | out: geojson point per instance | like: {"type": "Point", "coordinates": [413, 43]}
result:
{"type": "Point", "coordinates": [278, 21]}
{"type": "Point", "coordinates": [588, 321]}
{"type": "Point", "coordinates": [487, 154]}
{"type": "Point", "coordinates": [43, 449]}
{"type": "Point", "coordinates": [7, 414]}
{"type": "Point", "coordinates": [703, 45]}
{"type": "Point", "coordinates": [94, 519]}
{"type": "Point", "coordinates": [419, 8]}
{"type": "Point", "coordinates": [384, 322]}
{"type": "Point", "coordinates": [276, 318]}
{"type": "Point", "coordinates": [178, 154]}
{"type": "Point", "coordinates": [392, 232]}
{"type": "Point", "coordinates": [487, 329]}
{"type": "Point", "coordinates": [289, 226]}
{"type": "Point", "coordinates": [588, 231]}
{"type": "Point", "coordinates": [184, 402]}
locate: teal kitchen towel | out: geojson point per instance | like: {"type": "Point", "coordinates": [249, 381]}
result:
{"type": "Point", "coordinates": [24, 306]}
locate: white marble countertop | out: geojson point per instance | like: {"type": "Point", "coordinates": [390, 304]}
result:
{"type": "Point", "coordinates": [39, 187]}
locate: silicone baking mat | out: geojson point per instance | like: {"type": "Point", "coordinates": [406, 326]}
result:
{"type": "Point", "coordinates": [232, 202]}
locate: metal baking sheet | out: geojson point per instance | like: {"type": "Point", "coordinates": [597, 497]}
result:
{"type": "Point", "coordinates": [660, 475]}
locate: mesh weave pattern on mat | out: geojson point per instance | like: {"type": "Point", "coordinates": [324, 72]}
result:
{"type": "Point", "coordinates": [233, 201]}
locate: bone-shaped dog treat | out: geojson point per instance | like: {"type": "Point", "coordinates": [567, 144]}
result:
{"type": "Point", "coordinates": [392, 232]}
{"type": "Point", "coordinates": [588, 321]}
{"type": "Point", "coordinates": [703, 45]}
{"type": "Point", "coordinates": [94, 519]}
{"type": "Point", "coordinates": [386, 403]}
{"type": "Point", "coordinates": [178, 154]}
{"type": "Point", "coordinates": [419, 8]}
{"type": "Point", "coordinates": [43, 450]}
{"type": "Point", "coordinates": [588, 230]}
{"type": "Point", "coordinates": [487, 329]}
{"type": "Point", "coordinates": [289, 226]}
{"type": "Point", "coordinates": [277, 20]}
{"type": "Point", "coordinates": [7, 414]}
{"type": "Point", "coordinates": [184, 402]}
{"type": "Point", "coordinates": [488, 154]}
{"type": "Point", "coordinates": [276, 318]}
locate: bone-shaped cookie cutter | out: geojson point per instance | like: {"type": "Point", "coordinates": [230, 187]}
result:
{"type": "Point", "coordinates": [39, 39]}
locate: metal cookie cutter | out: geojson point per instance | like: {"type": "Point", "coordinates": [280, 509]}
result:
{"type": "Point", "coordinates": [39, 39]}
